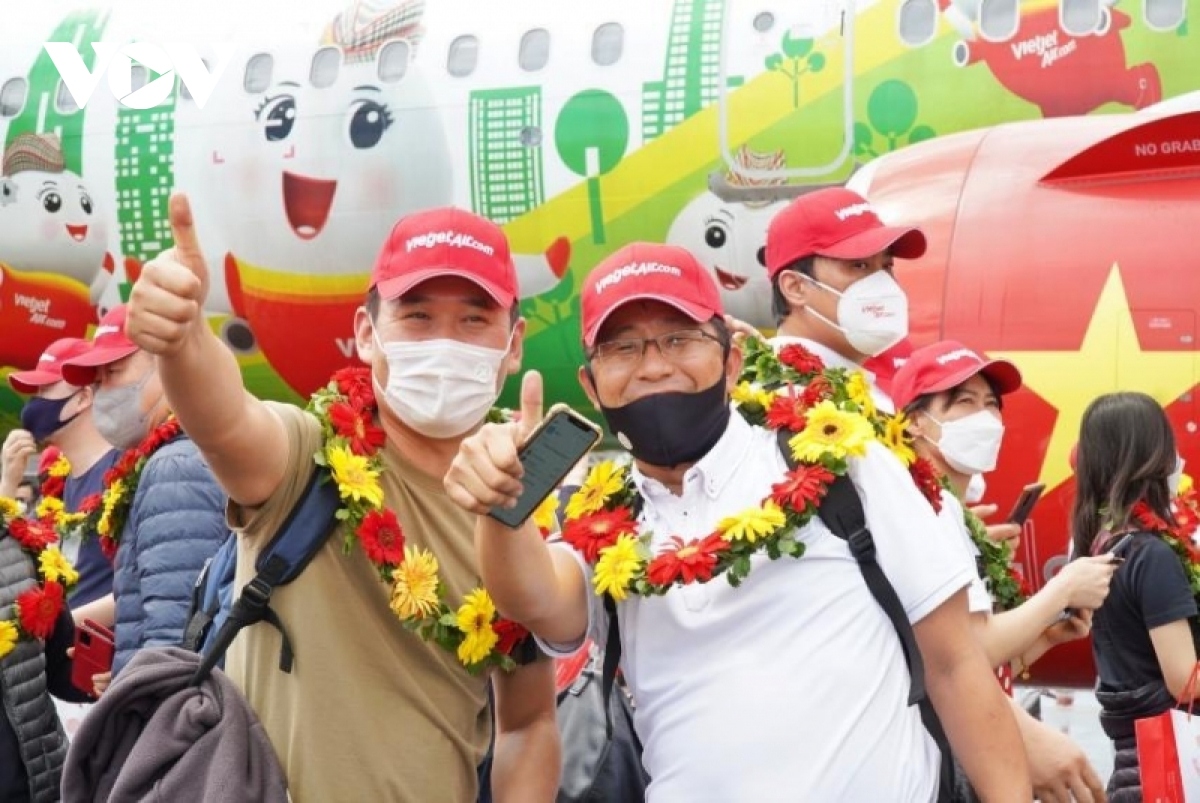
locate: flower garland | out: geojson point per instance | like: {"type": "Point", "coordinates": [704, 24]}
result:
{"type": "Point", "coordinates": [50, 509]}
{"type": "Point", "coordinates": [351, 453]}
{"type": "Point", "coordinates": [829, 421]}
{"type": "Point", "coordinates": [36, 610]}
{"type": "Point", "coordinates": [1177, 536]}
{"type": "Point", "coordinates": [1004, 582]}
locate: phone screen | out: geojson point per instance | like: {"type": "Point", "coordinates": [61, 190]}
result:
{"type": "Point", "coordinates": [560, 444]}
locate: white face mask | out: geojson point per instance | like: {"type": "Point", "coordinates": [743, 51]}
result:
{"type": "Point", "coordinates": [440, 388]}
{"type": "Point", "coordinates": [872, 313]}
{"type": "Point", "coordinates": [971, 445]}
{"type": "Point", "coordinates": [976, 488]}
{"type": "Point", "coordinates": [1176, 477]}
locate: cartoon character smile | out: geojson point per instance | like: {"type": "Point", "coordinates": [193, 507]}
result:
{"type": "Point", "coordinates": [728, 280]}
{"type": "Point", "coordinates": [307, 202]}
{"type": "Point", "coordinates": [78, 233]}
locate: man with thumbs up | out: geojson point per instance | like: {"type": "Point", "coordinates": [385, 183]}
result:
{"type": "Point", "coordinates": [440, 331]}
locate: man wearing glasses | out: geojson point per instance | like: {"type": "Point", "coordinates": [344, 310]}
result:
{"type": "Point", "coordinates": [792, 685]}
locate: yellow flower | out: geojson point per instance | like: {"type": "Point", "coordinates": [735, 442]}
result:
{"type": "Point", "coordinates": [751, 395]}
{"type": "Point", "coordinates": [50, 508]}
{"type": "Point", "coordinates": [618, 565]}
{"type": "Point", "coordinates": [474, 619]}
{"type": "Point", "coordinates": [1185, 484]}
{"type": "Point", "coordinates": [895, 437]}
{"type": "Point", "coordinates": [9, 509]}
{"type": "Point", "coordinates": [544, 516]}
{"type": "Point", "coordinates": [354, 476]}
{"type": "Point", "coordinates": [832, 432]}
{"type": "Point", "coordinates": [602, 482]}
{"type": "Point", "coordinates": [112, 496]}
{"type": "Point", "coordinates": [860, 393]}
{"type": "Point", "coordinates": [60, 467]}
{"type": "Point", "coordinates": [56, 568]}
{"type": "Point", "coordinates": [415, 584]}
{"type": "Point", "coordinates": [8, 637]}
{"type": "Point", "coordinates": [752, 524]}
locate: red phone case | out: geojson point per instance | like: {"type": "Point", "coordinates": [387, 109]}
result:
{"type": "Point", "coordinates": [93, 654]}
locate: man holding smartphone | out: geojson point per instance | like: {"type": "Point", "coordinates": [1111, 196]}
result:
{"type": "Point", "coordinates": [440, 330]}
{"type": "Point", "coordinates": [733, 684]}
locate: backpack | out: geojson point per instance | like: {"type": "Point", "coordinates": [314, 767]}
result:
{"type": "Point", "coordinates": [212, 599]}
{"type": "Point", "coordinates": [842, 511]}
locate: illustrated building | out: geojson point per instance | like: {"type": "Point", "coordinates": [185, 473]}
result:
{"type": "Point", "coordinates": [506, 157]}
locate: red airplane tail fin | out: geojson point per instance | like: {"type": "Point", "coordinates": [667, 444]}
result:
{"type": "Point", "coordinates": [1162, 147]}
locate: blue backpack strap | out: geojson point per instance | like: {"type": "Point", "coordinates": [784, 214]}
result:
{"type": "Point", "coordinates": [300, 537]}
{"type": "Point", "coordinates": [209, 595]}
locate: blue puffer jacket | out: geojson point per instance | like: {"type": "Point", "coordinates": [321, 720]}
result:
{"type": "Point", "coordinates": [176, 523]}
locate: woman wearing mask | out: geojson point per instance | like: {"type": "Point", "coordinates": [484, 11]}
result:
{"type": "Point", "coordinates": [953, 400]}
{"type": "Point", "coordinates": [1144, 641]}
{"type": "Point", "coordinates": [162, 522]}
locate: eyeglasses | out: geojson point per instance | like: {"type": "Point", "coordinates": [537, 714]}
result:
{"type": "Point", "coordinates": [675, 347]}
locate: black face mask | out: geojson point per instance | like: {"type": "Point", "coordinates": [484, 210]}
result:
{"type": "Point", "coordinates": [668, 429]}
{"type": "Point", "coordinates": [41, 416]}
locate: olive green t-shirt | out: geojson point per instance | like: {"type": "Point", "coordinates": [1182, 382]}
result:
{"type": "Point", "coordinates": [369, 712]}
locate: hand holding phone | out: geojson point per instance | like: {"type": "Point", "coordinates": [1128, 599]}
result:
{"type": "Point", "coordinates": [93, 654]}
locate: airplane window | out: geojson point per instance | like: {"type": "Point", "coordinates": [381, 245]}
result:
{"type": "Point", "coordinates": [764, 21]}
{"type": "Point", "coordinates": [12, 97]}
{"type": "Point", "coordinates": [917, 22]}
{"type": "Point", "coordinates": [998, 19]}
{"type": "Point", "coordinates": [535, 50]}
{"type": "Point", "coordinates": [64, 100]}
{"type": "Point", "coordinates": [138, 77]}
{"type": "Point", "coordinates": [325, 65]}
{"type": "Point", "coordinates": [1079, 17]}
{"type": "Point", "coordinates": [607, 43]}
{"type": "Point", "coordinates": [258, 73]}
{"type": "Point", "coordinates": [393, 61]}
{"type": "Point", "coordinates": [464, 55]}
{"type": "Point", "coordinates": [1163, 15]}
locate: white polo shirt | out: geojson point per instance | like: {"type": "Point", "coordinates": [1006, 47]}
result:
{"type": "Point", "coordinates": [951, 515]}
{"type": "Point", "coordinates": [834, 360]}
{"type": "Point", "coordinates": [792, 686]}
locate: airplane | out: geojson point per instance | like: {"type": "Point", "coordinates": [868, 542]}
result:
{"type": "Point", "coordinates": [301, 132]}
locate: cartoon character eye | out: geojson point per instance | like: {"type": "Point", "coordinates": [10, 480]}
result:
{"type": "Point", "coordinates": [52, 202]}
{"type": "Point", "coordinates": [716, 235]}
{"type": "Point", "coordinates": [85, 202]}
{"type": "Point", "coordinates": [8, 191]}
{"type": "Point", "coordinates": [368, 120]}
{"type": "Point", "coordinates": [280, 114]}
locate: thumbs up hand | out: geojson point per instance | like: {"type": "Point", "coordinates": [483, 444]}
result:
{"type": "Point", "coordinates": [487, 472]}
{"type": "Point", "coordinates": [166, 306]}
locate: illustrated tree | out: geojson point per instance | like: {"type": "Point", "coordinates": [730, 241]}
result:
{"type": "Point", "coordinates": [795, 58]}
{"type": "Point", "coordinates": [591, 135]}
{"type": "Point", "coordinates": [891, 113]}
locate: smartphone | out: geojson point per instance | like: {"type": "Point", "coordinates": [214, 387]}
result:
{"type": "Point", "coordinates": [562, 439]}
{"type": "Point", "coordinates": [93, 654]}
{"type": "Point", "coordinates": [1025, 502]}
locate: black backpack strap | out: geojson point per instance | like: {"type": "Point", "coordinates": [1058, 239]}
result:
{"type": "Point", "coordinates": [198, 619]}
{"type": "Point", "coordinates": [612, 659]}
{"type": "Point", "coordinates": [289, 552]}
{"type": "Point", "coordinates": [842, 511]}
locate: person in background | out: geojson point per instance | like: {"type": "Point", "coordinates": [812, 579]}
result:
{"type": "Point", "coordinates": [168, 519]}
{"type": "Point", "coordinates": [26, 496]}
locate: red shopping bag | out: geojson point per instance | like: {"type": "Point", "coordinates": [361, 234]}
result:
{"type": "Point", "coordinates": [1168, 747]}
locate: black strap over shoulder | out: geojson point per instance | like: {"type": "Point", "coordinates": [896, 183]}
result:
{"type": "Point", "coordinates": [300, 537]}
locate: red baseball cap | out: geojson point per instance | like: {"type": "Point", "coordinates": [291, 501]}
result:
{"type": "Point", "coordinates": [648, 271]}
{"type": "Point", "coordinates": [838, 223]}
{"type": "Point", "coordinates": [49, 368]}
{"type": "Point", "coordinates": [446, 242]}
{"type": "Point", "coordinates": [109, 344]}
{"type": "Point", "coordinates": [885, 365]}
{"type": "Point", "coordinates": [945, 365]}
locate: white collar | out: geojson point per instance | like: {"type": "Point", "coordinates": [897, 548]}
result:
{"type": "Point", "coordinates": [715, 469]}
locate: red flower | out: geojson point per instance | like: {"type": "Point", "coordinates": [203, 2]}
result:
{"type": "Point", "coordinates": [1019, 579]}
{"type": "Point", "coordinates": [356, 425]}
{"type": "Point", "coordinates": [926, 478]}
{"type": "Point", "coordinates": [817, 391]}
{"type": "Point", "coordinates": [511, 634]}
{"type": "Point", "coordinates": [90, 504]}
{"type": "Point", "coordinates": [787, 412]}
{"type": "Point", "coordinates": [382, 538]}
{"type": "Point", "coordinates": [1148, 519]}
{"type": "Point", "coordinates": [355, 384]}
{"type": "Point", "coordinates": [689, 562]}
{"type": "Point", "coordinates": [803, 486]}
{"type": "Point", "coordinates": [38, 608]}
{"type": "Point", "coordinates": [158, 437]}
{"type": "Point", "coordinates": [801, 360]}
{"type": "Point", "coordinates": [123, 467]}
{"type": "Point", "coordinates": [109, 547]}
{"type": "Point", "coordinates": [54, 487]}
{"type": "Point", "coordinates": [593, 533]}
{"type": "Point", "coordinates": [33, 536]}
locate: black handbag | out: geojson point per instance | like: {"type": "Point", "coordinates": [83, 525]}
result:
{"type": "Point", "coordinates": [597, 769]}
